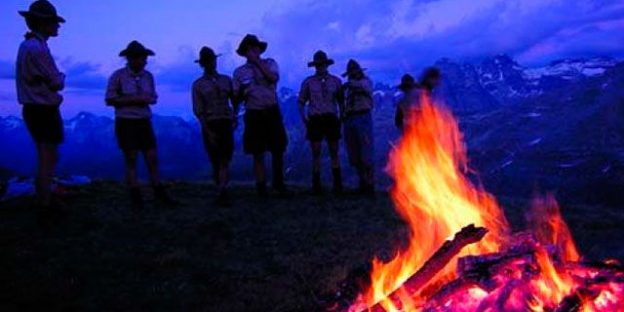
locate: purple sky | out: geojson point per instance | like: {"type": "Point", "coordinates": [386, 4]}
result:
{"type": "Point", "coordinates": [388, 37]}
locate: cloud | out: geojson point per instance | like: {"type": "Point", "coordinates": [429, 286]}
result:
{"type": "Point", "coordinates": [83, 75]}
{"type": "Point", "coordinates": [408, 34]}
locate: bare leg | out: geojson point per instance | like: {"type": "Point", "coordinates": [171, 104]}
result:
{"type": "Point", "coordinates": [316, 166]}
{"type": "Point", "coordinates": [48, 156]}
{"type": "Point", "coordinates": [151, 159]}
{"type": "Point", "coordinates": [160, 192]}
{"type": "Point", "coordinates": [336, 171]}
{"type": "Point", "coordinates": [259, 168]}
{"type": "Point", "coordinates": [223, 175]}
{"type": "Point", "coordinates": [131, 174]}
{"type": "Point", "coordinates": [260, 173]}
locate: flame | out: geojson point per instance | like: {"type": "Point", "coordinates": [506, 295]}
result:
{"type": "Point", "coordinates": [552, 286]}
{"type": "Point", "coordinates": [435, 197]}
{"type": "Point", "coordinates": [548, 227]}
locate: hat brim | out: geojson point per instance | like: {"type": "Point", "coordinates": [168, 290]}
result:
{"type": "Point", "coordinates": [327, 62]}
{"type": "Point", "coordinates": [345, 74]}
{"type": "Point", "coordinates": [129, 53]}
{"type": "Point", "coordinates": [243, 49]}
{"type": "Point", "coordinates": [200, 60]}
{"type": "Point", "coordinates": [41, 16]}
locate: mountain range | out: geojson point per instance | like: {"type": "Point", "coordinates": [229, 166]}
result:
{"type": "Point", "coordinates": [557, 127]}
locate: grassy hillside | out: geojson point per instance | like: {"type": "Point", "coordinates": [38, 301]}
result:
{"type": "Point", "coordinates": [259, 255]}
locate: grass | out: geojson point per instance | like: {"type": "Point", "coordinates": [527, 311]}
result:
{"type": "Point", "coordinates": [258, 255]}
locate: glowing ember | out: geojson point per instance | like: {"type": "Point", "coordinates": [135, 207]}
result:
{"type": "Point", "coordinates": [533, 271]}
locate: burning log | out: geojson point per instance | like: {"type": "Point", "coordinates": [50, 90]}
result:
{"type": "Point", "coordinates": [468, 235]}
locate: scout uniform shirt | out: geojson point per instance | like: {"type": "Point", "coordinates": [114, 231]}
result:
{"type": "Point", "coordinates": [410, 99]}
{"type": "Point", "coordinates": [359, 95]}
{"type": "Point", "coordinates": [323, 92]}
{"type": "Point", "coordinates": [211, 97]}
{"type": "Point", "coordinates": [125, 82]}
{"type": "Point", "coordinates": [37, 78]}
{"type": "Point", "coordinates": [257, 92]}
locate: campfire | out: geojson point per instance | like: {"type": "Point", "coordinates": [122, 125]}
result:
{"type": "Point", "coordinates": [461, 254]}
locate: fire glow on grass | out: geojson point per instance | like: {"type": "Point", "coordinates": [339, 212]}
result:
{"type": "Point", "coordinates": [434, 196]}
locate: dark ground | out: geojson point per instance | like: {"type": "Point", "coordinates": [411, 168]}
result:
{"type": "Point", "coordinates": [259, 255]}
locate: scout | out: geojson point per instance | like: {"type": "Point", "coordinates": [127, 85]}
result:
{"type": "Point", "coordinates": [322, 93]}
{"type": "Point", "coordinates": [430, 80]}
{"type": "Point", "coordinates": [255, 84]}
{"type": "Point", "coordinates": [409, 87]}
{"type": "Point", "coordinates": [38, 83]}
{"type": "Point", "coordinates": [212, 95]}
{"type": "Point", "coordinates": [358, 125]}
{"type": "Point", "coordinates": [131, 91]}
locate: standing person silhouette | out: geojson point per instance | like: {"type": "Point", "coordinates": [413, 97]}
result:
{"type": "Point", "coordinates": [212, 95]}
{"type": "Point", "coordinates": [358, 125]}
{"type": "Point", "coordinates": [38, 83]}
{"type": "Point", "coordinates": [409, 88]}
{"type": "Point", "coordinates": [131, 91]}
{"type": "Point", "coordinates": [255, 85]}
{"type": "Point", "coordinates": [323, 95]}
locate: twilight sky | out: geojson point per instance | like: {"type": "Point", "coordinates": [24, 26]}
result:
{"type": "Point", "coordinates": [388, 37]}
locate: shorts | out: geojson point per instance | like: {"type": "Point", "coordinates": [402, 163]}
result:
{"type": "Point", "coordinates": [135, 134]}
{"type": "Point", "coordinates": [44, 123]}
{"type": "Point", "coordinates": [326, 126]}
{"type": "Point", "coordinates": [222, 146]}
{"type": "Point", "coordinates": [264, 131]}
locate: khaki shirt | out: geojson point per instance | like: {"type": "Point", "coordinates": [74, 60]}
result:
{"type": "Point", "coordinates": [322, 93]}
{"type": "Point", "coordinates": [257, 93]}
{"type": "Point", "coordinates": [37, 78]}
{"type": "Point", "coordinates": [410, 99]}
{"type": "Point", "coordinates": [359, 95]}
{"type": "Point", "coordinates": [211, 98]}
{"type": "Point", "coordinates": [125, 82]}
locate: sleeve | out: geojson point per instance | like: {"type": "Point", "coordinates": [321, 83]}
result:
{"type": "Point", "coordinates": [40, 66]}
{"type": "Point", "coordinates": [113, 89]}
{"type": "Point", "coordinates": [367, 85]}
{"type": "Point", "coordinates": [340, 96]}
{"type": "Point", "coordinates": [304, 93]}
{"type": "Point", "coordinates": [152, 94]}
{"type": "Point", "coordinates": [274, 68]}
{"type": "Point", "coordinates": [236, 86]}
{"type": "Point", "coordinates": [197, 101]}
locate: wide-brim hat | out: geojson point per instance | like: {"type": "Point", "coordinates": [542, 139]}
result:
{"type": "Point", "coordinates": [320, 58]}
{"type": "Point", "coordinates": [205, 54]}
{"type": "Point", "coordinates": [407, 82]}
{"type": "Point", "coordinates": [251, 41]}
{"type": "Point", "coordinates": [135, 48]}
{"type": "Point", "coordinates": [353, 67]}
{"type": "Point", "coordinates": [42, 9]}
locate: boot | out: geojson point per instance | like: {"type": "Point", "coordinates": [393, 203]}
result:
{"type": "Point", "coordinates": [337, 174]}
{"type": "Point", "coordinates": [316, 183]}
{"type": "Point", "coordinates": [136, 198]}
{"type": "Point", "coordinates": [161, 194]}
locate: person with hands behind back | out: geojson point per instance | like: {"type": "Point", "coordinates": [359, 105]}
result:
{"type": "Point", "coordinates": [322, 95]}
{"type": "Point", "coordinates": [131, 91]}
{"type": "Point", "coordinates": [212, 95]}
